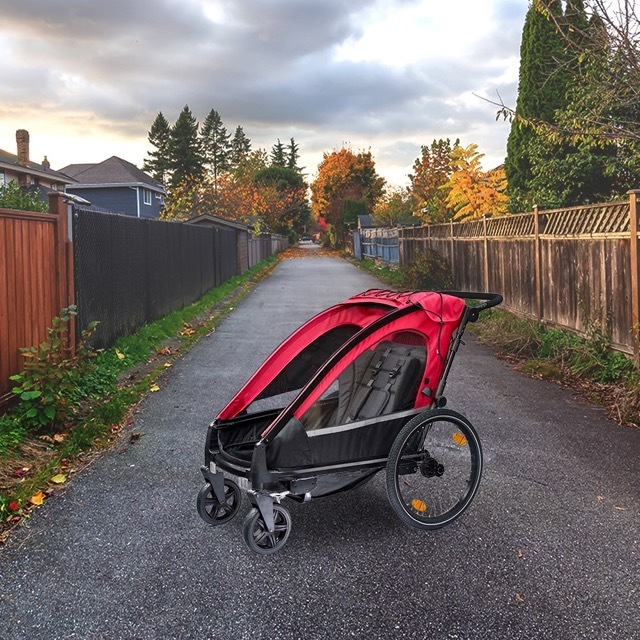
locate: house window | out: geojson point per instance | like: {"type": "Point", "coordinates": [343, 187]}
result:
{"type": "Point", "coordinates": [3, 179]}
{"type": "Point", "coordinates": [146, 196]}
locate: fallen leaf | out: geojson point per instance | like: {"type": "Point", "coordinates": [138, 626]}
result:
{"type": "Point", "coordinates": [165, 351]}
{"type": "Point", "coordinates": [120, 355]}
{"type": "Point", "coordinates": [519, 598]}
{"type": "Point", "coordinates": [47, 439]}
{"type": "Point", "coordinates": [519, 553]}
{"type": "Point", "coordinates": [134, 437]}
{"type": "Point", "coordinates": [59, 478]}
{"type": "Point", "coordinates": [600, 498]}
{"type": "Point", "coordinates": [155, 387]}
{"type": "Point", "coordinates": [14, 506]}
{"type": "Point", "coordinates": [620, 508]}
{"type": "Point", "coordinates": [37, 499]}
{"type": "Point", "coordinates": [59, 437]}
{"type": "Point", "coordinates": [167, 364]}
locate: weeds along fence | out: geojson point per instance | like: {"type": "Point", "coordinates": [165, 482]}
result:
{"type": "Point", "coordinates": [122, 271]}
{"type": "Point", "coordinates": [571, 267]}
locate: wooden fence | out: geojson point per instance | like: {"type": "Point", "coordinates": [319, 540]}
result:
{"type": "Point", "coordinates": [36, 281]}
{"type": "Point", "coordinates": [570, 267]}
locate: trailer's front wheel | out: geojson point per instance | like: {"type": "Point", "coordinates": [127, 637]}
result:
{"type": "Point", "coordinates": [213, 511]}
{"type": "Point", "coordinates": [434, 469]}
{"type": "Point", "coordinates": [258, 537]}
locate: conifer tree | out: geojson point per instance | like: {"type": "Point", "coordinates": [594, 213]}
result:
{"type": "Point", "coordinates": [215, 145]}
{"type": "Point", "coordinates": [185, 155]}
{"type": "Point", "coordinates": [541, 92]}
{"type": "Point", "coordinates": [292, 156]}
{"type": "Point", "coordinates": [240, 147]}
{"type": "Point", "coordinates": [277, 156]}
{"type": "Point", "coordinates": [158, 162]}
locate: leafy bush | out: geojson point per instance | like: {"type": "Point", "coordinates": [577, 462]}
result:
{"type": "Point", "coordinates": [13, 196]}
{"type": "Point", "coordinates": [430, 271]}
{"type": "Point", "coordinates": [52, 374]}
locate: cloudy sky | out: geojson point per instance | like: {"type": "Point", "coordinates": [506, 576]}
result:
{"type": "Point", "coordinates": [87, 78]}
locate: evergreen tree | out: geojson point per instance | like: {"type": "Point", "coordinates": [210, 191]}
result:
{"type": "Point", "coordinates": [215, 145]}
{"type": "Point", "coordinates": [240, 147]}
{"type": "Point", "coordinates": [158, 162]}
{"type": "Point", "coordinates": [185, 155]}
{"type": "Point", "coordinates": [541, 92]}
{"type": "Point", "coordinates": [277, 157]}
{"type": "Point", "coordinates": [292, 156]}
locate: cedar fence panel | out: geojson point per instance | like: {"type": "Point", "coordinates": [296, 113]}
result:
{"type": "Point", "coordinates": [35, 281]}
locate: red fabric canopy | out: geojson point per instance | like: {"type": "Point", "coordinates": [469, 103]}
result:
{"type": "Point", "coordinates": [435, 319]}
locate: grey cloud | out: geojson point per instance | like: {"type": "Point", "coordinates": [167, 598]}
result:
{"type": "Point", "coordinates": [269, 68]}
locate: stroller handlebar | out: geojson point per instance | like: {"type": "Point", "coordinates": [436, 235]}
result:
{"type": "Point", "coordinates": [490, 299]}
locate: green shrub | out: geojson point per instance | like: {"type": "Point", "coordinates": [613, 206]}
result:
{"type": "Point", "coordinates": [52, 375]}
{"type": "Point", "coordinates": [430, 271]}
{"type": "Point", "coordinates": [13, 196]}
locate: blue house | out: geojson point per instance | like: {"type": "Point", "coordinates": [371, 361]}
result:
{"type": "Point", "coordinates": [118, 186]}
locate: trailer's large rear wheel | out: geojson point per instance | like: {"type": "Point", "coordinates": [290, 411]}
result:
{"type": "Point", "coordinates": [434, 469]}
{"type": "Point", "coordinates": [258, 537]}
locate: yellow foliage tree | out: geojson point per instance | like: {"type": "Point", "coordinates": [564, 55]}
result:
{"type": "Point", "coordinates": [471, 191]}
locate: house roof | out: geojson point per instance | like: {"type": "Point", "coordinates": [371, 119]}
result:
{"type": "Point", "coordinates": [10, 161]}
{"type": "Point", "coordinates": [113, 171]}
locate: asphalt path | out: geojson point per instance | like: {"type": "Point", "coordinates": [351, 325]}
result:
{"type": "Point", "coordinates": [548, 549]}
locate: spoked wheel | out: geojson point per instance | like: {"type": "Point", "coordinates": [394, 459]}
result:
{"type": "Point", "coordinates": [434, 469]}
{"type": "Point", "coordinates": [213, 511]}
{"type": "Point", "coordinates": [259, 539]}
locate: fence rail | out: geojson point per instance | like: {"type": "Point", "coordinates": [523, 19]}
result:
{"type": "Point", "coordinates": [570, 267]}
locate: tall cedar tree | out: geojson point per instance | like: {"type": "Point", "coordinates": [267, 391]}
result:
{"type": "Point", "coordinates": [216, 147]}
{"type": "Point", "coordinates": [158, 163]}
{"type": "Point", "coordinates": [541, 92]}
{"type": "Point", "coordinates": [185, 155]}
{"type": "Point", "coordinates": [240, 147]}
{"type": "Point", "coordinates": [292, 156]}
{"type": "Point", "coordinates": [565, 172]}
{"type": "Point", "coordinates": [278, 158]}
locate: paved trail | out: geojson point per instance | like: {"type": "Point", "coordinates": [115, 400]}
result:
{"type": "Point", "coordinates": [549, 548]}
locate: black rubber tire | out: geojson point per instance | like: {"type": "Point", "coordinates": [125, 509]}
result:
{"type": "Point", "coordinates": [458, 460]}
{"type": "Point", "coordinates": [256, 536]}
{"type": "Point", "coordinates": [216, 513]}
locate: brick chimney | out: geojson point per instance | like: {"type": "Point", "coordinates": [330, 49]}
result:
{"type": "Point", "coordinates": [46, 164]}
{"type": "Point", "coordinates": [22, 138]}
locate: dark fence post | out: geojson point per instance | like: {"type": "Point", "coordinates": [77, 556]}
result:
{"type": "Point", "coordinates": [64, 260]}
{"type": "Point", "coordinates": [635, 273]}
{"type": "Point", "coordinates": [537, 257]}
{"type": "Point", "coordinates": [486, 254]}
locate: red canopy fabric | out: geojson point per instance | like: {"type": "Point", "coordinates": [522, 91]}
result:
{"type": "Point", "coordinates": [435, 319]}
